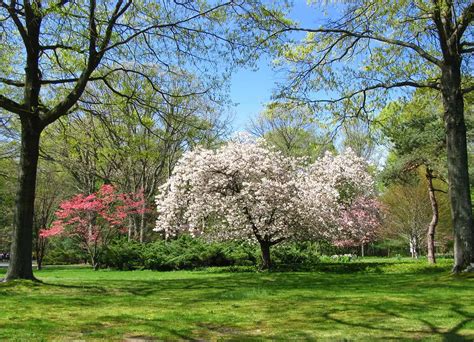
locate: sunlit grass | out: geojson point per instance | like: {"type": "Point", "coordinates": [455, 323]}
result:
{"type": "Point", "coordinates": [367, 300]}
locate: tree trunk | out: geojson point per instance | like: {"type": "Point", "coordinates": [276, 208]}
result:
{"type": "Point", "coordinates": [39, 251]}
{"type": "Point", "coordinates": [266, 261]}
{"type": "Point", "coordinates": [434, 219]}
{"type": "Point", "coordinates": [458, 176]}
{"type": "Point", "coordinates": [417, 247]}
{"type": "Point", "coordinates": [414, 246]}
{"type": "Point", "coordinates": [142, 225]}
{"type": "Point", "coordinates": [95, 262]}
{"type": "Point", "coordinates": [39, 263]}
{"type": "Point", "coordinates": [20, 266]}
{"type": "Point", "coordinates": [130, 225]}
{"type": "Point", "coordinates": [362, 252]}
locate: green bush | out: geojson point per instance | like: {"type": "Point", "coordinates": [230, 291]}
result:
{"type": "Point", "coordinates": [188, 253]}
{"type": "Point", "coordinates": [295, 255]}
{"type": "Point", "coordinates": [123, 255]}
{"type": "Point", "coordinates": [62, 251]}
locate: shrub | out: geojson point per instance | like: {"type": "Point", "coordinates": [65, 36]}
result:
{"type": "Point", "coordinates": [295, 255]}
{"type": "Point", "coordinates": [64, 251]}
{"type": "Point", "coordinates": [187, 253]}
{"type": "Point", "coordinates": [123, 255]}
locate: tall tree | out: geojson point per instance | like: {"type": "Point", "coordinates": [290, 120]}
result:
{"type": "Point", "coordinates": [407, 213]}
{"type": "Point", "coordinates": [291, 129]}
{"type": "Point", "coordinates": [415, 132]}
{"type": "Point", "coordinates": [368, 49]}
{"type": "Point", "coordinates": [361, 138]}
{"type": "Point", "coordinates": [50, 189]}
{"type": "Point", "coordinates": [131, 144]}
{"type": "Point", "coordinates": [55, 48]}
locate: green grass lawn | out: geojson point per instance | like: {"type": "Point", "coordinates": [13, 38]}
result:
{"type": "Point", "coordinates": [377, 299]}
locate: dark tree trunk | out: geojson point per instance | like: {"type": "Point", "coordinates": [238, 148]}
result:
{"type": "Point", "coordinates": [266, 261]}
{"type": "Point", "coordinates": [39, 263]}
{"type": "Point", "coordinates": [42, 244]}
{"type": "Point", "coordinates": [458, 176]}
{"type": "Point", "coordinates": [38, 253]}
{"type": "Point", "coordinates": [20, 266]}
{"type": "Point", "coordinates": [434, 219]}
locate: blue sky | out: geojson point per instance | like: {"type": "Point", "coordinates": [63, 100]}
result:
{"type": "Point", "coordinates": [251, 89]}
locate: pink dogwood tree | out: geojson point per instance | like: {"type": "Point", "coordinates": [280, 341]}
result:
{"type": "Point", "coordinates": [359, 223]}
{"type": "Point", "coordinates": [249, 190]}
{"type": "Point", "coordinates": [95, 219]}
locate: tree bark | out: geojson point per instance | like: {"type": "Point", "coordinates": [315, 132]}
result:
{"type": "Point", "coordinates": [458, 176]}
{"type": "Point", "coordinates": [434, 219]}
{"type": "Point", "coordinates": [95, 261]}
{"type": "Point", "coordinates": [266, 260]}
{"type": "Point", "coordinates": [95, 264]}
{"type": "Point", "coordinates": [40, 251]}
{"type": "Point", "coordinates": [39, 263]}
{"type": "Point", "coordinates": [20, 266]}
{"type": "Point", "coordinates": [414, 246]}
{"type": "Point", "coordinates": [142, 225]}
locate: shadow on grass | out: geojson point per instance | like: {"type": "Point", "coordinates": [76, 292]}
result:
{"type": "Point", "coordinates": [237, 286]}
{"type": "Point", "coordinates": [393, 310]}
{"type": "Point", "coordinates": [198, 331]}
{"type": "Point", "coordinates": [378, 267]}
{"type": "Point", "coordinates": [332, 287]}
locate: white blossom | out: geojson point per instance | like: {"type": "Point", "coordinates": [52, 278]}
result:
{"type": "Point", "coordinates": [246, 189]}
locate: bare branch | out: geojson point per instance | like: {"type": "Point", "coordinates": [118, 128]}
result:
{"type": "Point", "coordinates": [13, 83]}
{"type": "Point", "coordinates": [60, 46]}
{"type": "Point", "coordinates": [380, 86]}
{"type": "Point", "coordinates": [21, 29]}
{"type": "Point", "coordinates": [373, 36]}
{"type": "Point", "coordinates": [463, 21]}
{"type": "Point", "coordinates": [93, 60]}
{"type": "Point", "coordinates": [167, 25]}
{"type": "Point", "coordinates": [468, 89]}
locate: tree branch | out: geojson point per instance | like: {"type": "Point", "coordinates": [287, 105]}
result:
{"type": "Point", "coordinates": [463, 21]}
{"type": "Point", "coordinates": [167, 25]}
{"type": "Point", "coordinates": [467, 90]}
{"type": "Point", "coordinates": [12, 106]}
{"type": "Point", "coordinates": [274, 242]}
{"type": "Point", "coordinates": [13, 83]}
{"type": "Point", "coordinates": [369, 35]}
{"type": "Point", "coordinates": [60, 46]}
{"type": "Point", "coordinates": [380, 86]}
{"type": "Point", "coordinates": [21, 29]}
{"type": "Point", "coordinates": [439, 190]}
{"type": "Point", "coordinates": [93, 60]}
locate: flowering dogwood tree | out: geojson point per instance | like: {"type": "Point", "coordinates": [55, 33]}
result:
{"type": "Point", "coordinates": [95, 219]}
{"type": "Point", "coordinates": [327, 189]}
{"type": "Point", "coordinates": [249, 190]}
{"type": "Point", "coordinates": [359, 223]}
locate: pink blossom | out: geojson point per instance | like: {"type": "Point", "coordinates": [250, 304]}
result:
{"type": "Point", "coordinates": [94, 219]}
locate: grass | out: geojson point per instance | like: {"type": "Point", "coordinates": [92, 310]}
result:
{"type": "Point", "coordinates": [374, 299]}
